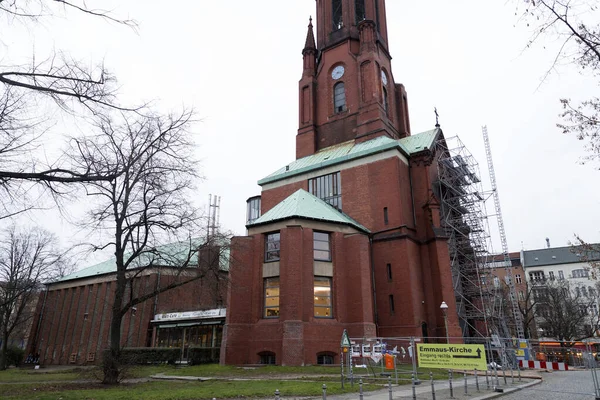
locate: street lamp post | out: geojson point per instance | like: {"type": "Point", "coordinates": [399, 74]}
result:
{"type": "Point", "coordinates": [444, 308]}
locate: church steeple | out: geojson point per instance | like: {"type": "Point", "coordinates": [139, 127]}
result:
{"type": "Point", "coordinates": [310, 51]}
{"type": "Point", "coordinates": [338, 20]}
{"type": "Point", "coordinates": [347, 90]}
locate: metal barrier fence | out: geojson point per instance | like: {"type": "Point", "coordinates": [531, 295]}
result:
{"type": "Point", "coordinates": [396, 358]}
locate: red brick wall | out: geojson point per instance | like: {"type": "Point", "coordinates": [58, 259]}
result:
{"type": "Point", "coordinates": [270, 198]}
{"type": "Point", "coordinates": [65, 330]}
{"type": "Point", "coordinates": [247, 333]}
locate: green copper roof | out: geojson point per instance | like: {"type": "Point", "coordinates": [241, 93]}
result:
{"type": "Point", "coordinates": [350, 151]}
{"type": "Point", "coordinates": [302, 204]}
{"type": "Point", "coordinates": [420, 141]}
{"type": "Point", "coordinates": [169, 255]}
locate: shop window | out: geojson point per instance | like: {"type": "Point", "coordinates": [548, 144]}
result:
{"type": "Point", "coordinates": [323, 297]}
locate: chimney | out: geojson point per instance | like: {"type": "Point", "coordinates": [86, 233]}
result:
{"type": "Point", "coordinates": [548, 242]}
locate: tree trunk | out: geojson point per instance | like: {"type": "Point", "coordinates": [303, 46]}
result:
{"type": "Point", "coordinates": [4, 351]}
{"type": "Point", "coordinates": [111, 361]}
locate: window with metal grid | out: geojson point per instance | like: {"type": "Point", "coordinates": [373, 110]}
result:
{"type": "Point", "coordinates": [328, 188]}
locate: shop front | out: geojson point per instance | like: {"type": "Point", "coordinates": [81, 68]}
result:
{"type": "Point", "coordinates": [189, 329]}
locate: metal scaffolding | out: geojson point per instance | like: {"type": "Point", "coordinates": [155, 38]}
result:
{"type": "Point", "coordinates": [464, 219]}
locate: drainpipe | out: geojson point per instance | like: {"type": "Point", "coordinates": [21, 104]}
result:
{"type": "Point", "coordinates": [375, 314]}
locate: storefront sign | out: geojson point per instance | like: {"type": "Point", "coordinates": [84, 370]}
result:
{"type": "Point", "coordinates": [452, 356]}
{"type": "Point", "coordinates": [219, 312]}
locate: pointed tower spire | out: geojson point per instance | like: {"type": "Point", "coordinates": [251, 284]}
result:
{"type": "Point", "coordinates": [310, 43]}
{"type": "Point", "coordinates": [310, 52]}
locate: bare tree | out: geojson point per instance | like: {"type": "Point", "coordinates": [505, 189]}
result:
{"type": "Point", "coordinates": [27, 259]}
{"type": "Point", "coordinates": [59, 81]}
{"type": "Point", "coordinates": [526, 305]}
{"type": "Point", "coordinates": [149, 204]}
{"type": "Point", "coordinates": [565, 312]}
{"type": "Point", "coordinates": [575, 24]}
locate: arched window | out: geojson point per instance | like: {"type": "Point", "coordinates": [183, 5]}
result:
{"type": "Point", "coordinates": [325, 358]}
{"type": "Point", "coordinates": [359, 10]}
{"type": "Point", "coordinates": [267, 358]}
{"type": "Point", "coordinates": [339, 97]}
{"type": "Point", "coordinates": [336, 14]}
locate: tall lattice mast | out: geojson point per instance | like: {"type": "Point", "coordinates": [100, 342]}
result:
{"type": "Point", "coordinates": [507, 262]}
{"type": "Point", "coordinates": [463, 215]}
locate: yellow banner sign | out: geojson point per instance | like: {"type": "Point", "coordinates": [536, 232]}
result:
{"type": "Point", "coordinates": [452, 356]}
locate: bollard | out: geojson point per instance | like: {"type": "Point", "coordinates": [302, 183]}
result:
{"type": "Point", "coordinates": [504, 374]}
{"type": "Point", "coordinates": [276, 394]}
{"type": "Point", "coordinates": [414, 396]}
{"type": "Point", "coordinates": [512, 375]}
{"type": "Point", "coordinates": [466, 390]}
{"type": "Point", "coordinates": [360, 391]}
{"type": "Point", "coordinates": [450, 382]}
{"type": "Point", "coordinates": [487, 379]}
{"type": "Point", "coordinates": [497, 380]}
{"type": "Point", "coordinates": [476, 380]}
{"type": "Point", "coordinates": [324, 392]}
{"type": "Point", "coordinates": [390, 386]}
{"type": "Point", "coordinates": [519, 373]}
{"type": "Point", "coordinates": [432, 386]}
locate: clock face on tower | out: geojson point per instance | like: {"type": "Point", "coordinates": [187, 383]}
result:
{"type": "Point", "coordinates": [384, 78]}
{"type": "Point", "coordinates": [337, 72]}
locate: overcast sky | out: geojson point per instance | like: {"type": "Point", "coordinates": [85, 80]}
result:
{"type": "Point", "coordinates": [238, 63]}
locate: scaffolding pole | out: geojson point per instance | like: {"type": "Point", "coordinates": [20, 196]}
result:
{"type": "Point", "coordinates": [480, 302]}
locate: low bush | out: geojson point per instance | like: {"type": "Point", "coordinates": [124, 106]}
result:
{"type": "Point", "coordinates": [147, 355]}
{"type": "Point", "coordinates": [203, 355]}
{"type": "Point", "coordinates": [14, 356]}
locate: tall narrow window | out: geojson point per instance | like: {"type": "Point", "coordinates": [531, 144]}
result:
{"type": "Point", "coordinates": [328, 188]}
{"type": "Point", "coordinates": [385, 100]}
{"type": "Point", "coordinates": [518, 278]}
{"type": "Point", "coordinates": [339, 97]}
{"type": "Point", "coordinates": [272, 246]}
{"type": "Point", "coordinates": [377, 16]}
{"type": "Point", "coordinates": [322, 249]}
{"type": "Point", "coordinates": [336, 13]}
{"type": "Point", "coordinates": [271, 298]}
{"type": "Point", "coordinates": [389, 272]}
{"type": "Point", "coordinates": [253, 209]}
{"type": "Point", "coordinates": [323, 297]}
{"type": "Point", "coordinates": [392, 307]}
{"type": "Point", "coordinates": [385, 215]}
{"type": "Point", "coordinates": [359, 10]}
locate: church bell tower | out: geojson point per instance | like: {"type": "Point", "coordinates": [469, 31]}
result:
{"type": "Point", "coordinates": [347, 90]}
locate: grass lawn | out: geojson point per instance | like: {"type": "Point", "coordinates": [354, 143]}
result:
{"type": "Point", "coordinates": [215, 370]}
{"type": "Point", "coordinates": [17, 375]}
{"type": "Point", "coordinates": [174, 390]}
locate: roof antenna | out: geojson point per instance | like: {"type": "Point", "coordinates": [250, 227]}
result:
{"type": "Point", "coordinates": [437, 117]}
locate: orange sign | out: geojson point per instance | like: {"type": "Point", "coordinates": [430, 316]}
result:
{"type": "Point", "coordinates": [389, 361]}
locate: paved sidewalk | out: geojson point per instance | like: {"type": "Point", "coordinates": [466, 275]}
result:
{"type": "Point", "coordinates": [442, 390]}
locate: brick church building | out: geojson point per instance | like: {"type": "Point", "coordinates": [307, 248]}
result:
{"type": "Point", "coordinates": [348, 235]}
